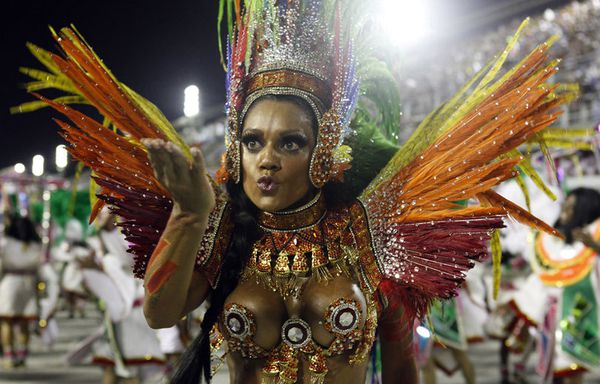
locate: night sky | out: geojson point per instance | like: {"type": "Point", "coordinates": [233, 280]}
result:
{"type": "Point", "coordinates": [155, 47]}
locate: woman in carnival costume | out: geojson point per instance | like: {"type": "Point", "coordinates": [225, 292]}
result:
{"type": "Point", "coordinates": [128, 350]}
{"type": "Point", "coordinates": [303, 259]}
{"type": "Point", "coordinates": [569, 274]}
{"type": "Point", "coordinates": [70, 253]}
{"type": "Point", "coordinates": [522, 288]}
{"type": "Point", "coordinates": [20, 260]}
{"type": "Point", "coordinates": [453, 325]}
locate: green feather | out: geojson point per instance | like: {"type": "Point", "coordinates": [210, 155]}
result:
{"type": "Point", "coordinates": [496, 261]}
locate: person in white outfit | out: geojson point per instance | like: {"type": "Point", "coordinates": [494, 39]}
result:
{"type": "Point", "coordinates": [70, 252]}
{"type": "Point", "coordinates": [20, 257]}
{"type": "Point", "coordinates": [129, 350]}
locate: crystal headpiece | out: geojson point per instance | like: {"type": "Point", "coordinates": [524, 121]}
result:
{"type": "Point", "coordinates": [297, 48]}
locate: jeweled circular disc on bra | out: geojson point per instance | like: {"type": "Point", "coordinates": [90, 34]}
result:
{"type": "Point", "coordinates": [296, 333]}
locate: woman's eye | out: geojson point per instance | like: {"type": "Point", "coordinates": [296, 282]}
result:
{"type": "Point", "coordinates": [291, 146]}
{"type": "Point", "coordinates": [252, 144]}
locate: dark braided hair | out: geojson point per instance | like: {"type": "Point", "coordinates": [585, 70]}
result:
{"type": "Point", "coordinates": [195, 362]}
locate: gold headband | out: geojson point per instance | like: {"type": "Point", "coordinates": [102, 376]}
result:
{"type": "Point", "coordinates": [291, 79]}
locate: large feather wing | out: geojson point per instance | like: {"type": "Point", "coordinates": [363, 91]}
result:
{"type": "Point", "coordinates": [423, 238]}
{"type": "Point", "coordinates": [112, 150]}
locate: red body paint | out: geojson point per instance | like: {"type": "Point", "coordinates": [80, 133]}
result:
{"type": "Point", "coordinates": [162, 244]}
{"type": "Point", "coordinates": [161, 276]}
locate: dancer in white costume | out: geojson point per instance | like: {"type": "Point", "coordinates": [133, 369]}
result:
{"type": "Point", "coordinates": [171, 345]}
{"type": "Point", "coordinates": [570, 271]}
{"type": "Point", "coordinates": [518, 241]}
{"type": "Point", "coordinates": [466, 318]}
{"type": "Point", "coordinates": [522, 307]}
{"type": "Point", "coordinates": [70, 252]}
{"type": "Point", "coordinates": [49, 288]}
{"type": "Point", "coordinates": [20, 256]}
{"type": "Point", "coordinates": [560, 297]}
{"type": "Point", "coordinates": [455, 323]}
{"type": "Point", "coordinates": [129, 348]}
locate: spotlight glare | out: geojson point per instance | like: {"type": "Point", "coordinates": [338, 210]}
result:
{"type": "Point", "coordinates": [191, 102]}
{"type": "Point", "coordinates": [62, 157]}
{"type": "Point", "coordinates": [19, 168]}
{"type": "Point", "coordinates": [406, 22]}
{"type": "Point", "coordinates": [37, 166]}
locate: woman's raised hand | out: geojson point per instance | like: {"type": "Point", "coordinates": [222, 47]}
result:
{"type": "Point", "coordinates": [187, 182]}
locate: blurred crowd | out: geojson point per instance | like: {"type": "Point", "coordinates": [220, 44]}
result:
{"type": "Point", "coordinates": [51, 262]}
{"type": "Point", "coordinates": [448, 67]}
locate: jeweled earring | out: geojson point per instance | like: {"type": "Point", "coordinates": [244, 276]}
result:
{"type": "Point", "coordinates": [325, 165]}
{"type": "Point", "coordinates": [231, 162]}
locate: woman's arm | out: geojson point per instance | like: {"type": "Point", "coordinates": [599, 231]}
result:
{"type": "Point", "coordinates": [172, 287]}
{"type": "Point", "coordinates": [397, 353]}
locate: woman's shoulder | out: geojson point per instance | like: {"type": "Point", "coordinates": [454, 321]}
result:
{"type": "Point", "coordinates": [349, 209]}
{"type": "Point", "coordinates": [347, 227]}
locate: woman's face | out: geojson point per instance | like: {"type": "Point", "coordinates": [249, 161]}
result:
{"type": "Point", "coordinates": [277, 144]}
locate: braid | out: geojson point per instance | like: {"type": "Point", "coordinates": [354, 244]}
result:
{"type": "Point", "coordinates": [195, 362]}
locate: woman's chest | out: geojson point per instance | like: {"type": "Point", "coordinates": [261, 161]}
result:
{"type": "Point", "coordinates": [323, 314]}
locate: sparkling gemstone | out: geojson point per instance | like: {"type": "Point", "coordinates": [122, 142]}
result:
{"type": "Point", "coordinates": [234, 324]}
{"type": "Point", "coordinates": [346, 319]}
{"type": "Point", "coordinates": [295, 334]}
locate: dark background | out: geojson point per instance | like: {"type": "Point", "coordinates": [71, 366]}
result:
{"type": "Point", "coordinates": [155, 47]}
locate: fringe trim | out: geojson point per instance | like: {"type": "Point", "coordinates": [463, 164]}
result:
{"type": "Point", "coordinates": [322, 274]}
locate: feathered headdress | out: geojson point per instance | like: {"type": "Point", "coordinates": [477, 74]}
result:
{"type": "Point", "coordinates": [295, 48]}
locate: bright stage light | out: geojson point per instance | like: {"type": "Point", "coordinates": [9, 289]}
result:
{"type": "Point", "coordinates": [61, 157]}
{"type": "Point", "coordinates": [19, 168]}
{"type": "Point", "coordinates": [406, 22]}
{"type": "Point", "coordinates": [37, 166]}
{"type": "Point", "coordinates": [549, 14]}
{"type": "Point", "coordinates": [191, 101]}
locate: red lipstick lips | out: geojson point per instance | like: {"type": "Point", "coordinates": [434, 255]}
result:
{"type": "Point", "coordinates": [266, 184]}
